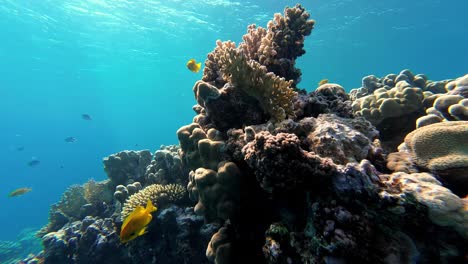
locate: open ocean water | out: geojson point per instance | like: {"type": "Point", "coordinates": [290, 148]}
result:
{"type": "Point", "coordinates": [123, 63]}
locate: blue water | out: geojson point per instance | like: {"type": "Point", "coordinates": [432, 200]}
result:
{"type": "Point", "coordinates": [123, 63]}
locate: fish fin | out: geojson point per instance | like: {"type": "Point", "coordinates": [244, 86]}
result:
{"type": "Point", "coordinates": [143, 231]}
{"type": "Point", "coordinates": [137, 210]}
{"type": "Point", "coordinates": [150, 207]}
{"type": "Point", "coordinates": [198, 66]}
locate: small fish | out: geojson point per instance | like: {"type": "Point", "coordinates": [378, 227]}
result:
{"type": "Point", "coordinates": [135, 224]}
{"type": "Point", "coordinates": [20, 148]}
{"type": "Point", "coordinates": [86, 117]}
{"type": "Point", "coordinates": [70, 139]}
{"type": "Point", "coordinates": [19, 191]}
{"type": "Point", "coordinates": [33, 163]}
{"type": "Point", "coordinates": [323, 81]}
{"type": "Point", "coordinates": [193, 66]}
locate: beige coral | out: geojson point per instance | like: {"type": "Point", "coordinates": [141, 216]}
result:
{"type": "Point", "coordinates": [200, 149]}
{"type": "Point", "coordinates": [440, 146]}
{"type": "Point", "coordinates": [398, 101]}
{"type": "Point", "coordinates": [216, 192]}
{"type": "Point", "coordinates": [274, 94]}
{"type": "Point", "coordinates": [157, 193]}
{"type": "Point", "coordinates": [445, 208]}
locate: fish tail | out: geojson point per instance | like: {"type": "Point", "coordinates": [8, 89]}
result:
{"type": "Point", "coordinates": [198, 66]}
{"type": "Point", "coordinates": [150, 207]}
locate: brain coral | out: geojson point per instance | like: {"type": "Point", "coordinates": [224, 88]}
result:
{"type": "Point", "coordinates": [157, 193]}
{"type": "Point", "coordinates": [443, 148]}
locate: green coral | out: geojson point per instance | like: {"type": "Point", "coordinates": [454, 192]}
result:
{"type": "Point", "coordinates": [157, 193]}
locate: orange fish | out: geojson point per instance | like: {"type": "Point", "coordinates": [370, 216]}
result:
{"type": "Point", "coordinates": [135, 224]}
{"type": "Point", "coordinates": [19, 191]}
{"type": "Point", "coordinates": [193, 66]}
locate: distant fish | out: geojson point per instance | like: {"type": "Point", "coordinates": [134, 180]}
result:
{"type": "Point", "coordinates": [20, 148]}
{"type": "Point", "coordinates": [193, 66]}
{"type": "Point", "coordinates": [61, 166]}
{"type": "Point", "coordinates": [70, 139]}
{"type": "Point", "coordinates": [33, 163]}
{"type": "Point", "coordinates": [324, 81]}
{"type": "Point", "coordinates": [19, 191]}
{"type": "Point", "coordinates": [86, 117]}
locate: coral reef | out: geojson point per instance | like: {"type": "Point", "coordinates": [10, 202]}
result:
{"type": "Point", "coordinates": [157, 193]}
{"type": "Point", "coordinates": [126, 166]}
{"type": "Point", "coordinates": [276, 175]}
{"type": "Point", "coordinates": [15, 251]}
{"type": "Point", "coordinates": [443, 149]}
{"type": "Point", "coordinates": [166, 167]}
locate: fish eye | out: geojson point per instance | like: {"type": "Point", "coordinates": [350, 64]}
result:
{"type": "Point", "coordinates": [132, 234]}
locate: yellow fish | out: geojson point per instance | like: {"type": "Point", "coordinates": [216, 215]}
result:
{"type": "Point", "coordinates": [193, 66]}
{"type": "Point", "coordinates": [19, 191]}
{"type": "Point", "coordinates": [135, 224]}
{"type": "Point", "coordinates": [324, 81]}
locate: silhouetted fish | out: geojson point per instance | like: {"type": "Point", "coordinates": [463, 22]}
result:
{"type": "Point", "coordinates": [20, 148]}
{"type": "Point", "coordinates": [33, 163]}
{"type": "Point", "coordinates": [70, 139]}
{"type": "Point", "coordinates": [86, 117]}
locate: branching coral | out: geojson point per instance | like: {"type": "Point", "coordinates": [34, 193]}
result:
{"type": "Point", "coordinates": [274, 94]}
{"type": "Point", "coordinates": [158, 194]}
{"type": "Point", "coordinates": [97, 192]}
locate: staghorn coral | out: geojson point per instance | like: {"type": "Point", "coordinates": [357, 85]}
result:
{"type": "Point", "coordinates": [126, 166]}
{"type": "Point", "coordinates": [158, 194]}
